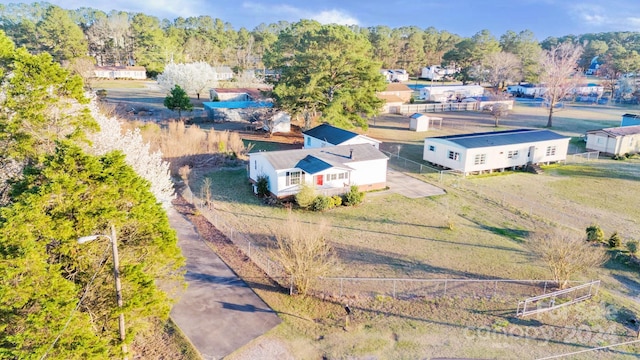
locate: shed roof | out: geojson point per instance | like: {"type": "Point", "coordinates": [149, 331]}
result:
{"type": "Point", "coordinates": [330, 134]}
{"type": "Point", "coordinates": [619, 131]}
{"type": "Point", "coordinates": [397, 87]}
{"type": "Point", "coordinates": [390, 98]}
{"type": "Point", "coordinates": [315, 160]}
{"type": "Point", "coordinates": [500, 138]}
{"type": "Point", "coordinates": [635, 116]}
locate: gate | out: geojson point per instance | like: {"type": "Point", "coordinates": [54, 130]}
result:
{"type": "Point", "coordinates": [556, 299]}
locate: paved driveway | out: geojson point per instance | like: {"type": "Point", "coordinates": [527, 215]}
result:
{"type": "Point", "coordinates": [410, 187]}
{"type": "Point", "coordinates": [218, 312]}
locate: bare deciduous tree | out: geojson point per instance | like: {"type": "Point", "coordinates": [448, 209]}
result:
{"type": "Point", "coordinates": [559, 73]}
{"type": "Point", "coordinates": [304, 252]}
{"type": "Point", "coordinates": [567, 254]}
{"type": "Point", "coordinates": [499, 111]}
{"type": "Point", "coordinates": [501, 67]}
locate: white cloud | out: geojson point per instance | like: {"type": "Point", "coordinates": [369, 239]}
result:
{"type": "Point", "coordinates": [633, 23]}
{"type": "Point", "coordinates": [590, 14]}
{"type": "Point", "coordinates": [335, 17]}
{"type": "Point", "coordinates": [283, 11]}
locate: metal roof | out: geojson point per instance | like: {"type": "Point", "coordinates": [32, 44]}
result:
{"type": "Point", "coordinates": [319, 159]}
{"type": "Point", "coordinates": [635, 116]}
{"type": "Point", "coordinates": [619, 131]}
{"type": "Point", "coordinates": [330, 134]}
{"type": "Point", "coordinates": [499, 138]}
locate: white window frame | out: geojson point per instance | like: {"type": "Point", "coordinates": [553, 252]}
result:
{"type": "Point", "coordinates": [480, 159]}
{"type": "Point", "coordinates": [294, 178]}
{"type": "Point", "coordinates": [453, 155]}
{"type": "Point", "coordinates": [551, 150]}
{"type": "Point", "coordinates": [513, 154]}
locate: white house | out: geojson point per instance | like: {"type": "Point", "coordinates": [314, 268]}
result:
{"type": "Point", "coordinates": [325, 135]}
{"type": "Point", "coordinates": [511, 149]}
{"type": "Point", "coordinates": [395, 75]}
{"type": "Point", "coordinates": [615, 141]}
{"type": "Point", "coordinates": [120, 72]}
{"type": "Point", "coordinates": [223, 73]}
{"type": "Point", "coordinates": [526, 90]}
{"type": "Point", "coordinates": [330, 170]}
{"type": "Point", "coordinates": [436, 72]}
{"type": "Point", "coordinates": [446, 93]}
{"type": "Point", "coordinates": [630, 120]}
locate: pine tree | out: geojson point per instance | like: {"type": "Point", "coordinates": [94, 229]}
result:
{"type": "Point", "coordinates": [178, 100]}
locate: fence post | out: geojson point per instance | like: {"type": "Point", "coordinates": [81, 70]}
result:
{"type": "Point", "coordinates": [545, 287]}
{"type": "Point", "coordinates": [445, 288]}
{"type": "Point", "coordinates": [495, 289]}
{"type": "Point", "coordinates": [394, 288]}
{"type": "Point", "coordinates": [341, 286]}
{"type": "Point", "coordinates": [231, 234]}
{"type": "Point", "coordinates": [291, 286]}
{"type": "Point", "coordinates": [249, 246]}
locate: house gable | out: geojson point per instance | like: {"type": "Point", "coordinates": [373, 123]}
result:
{"type": "Point", "coordinates": [327, 135]}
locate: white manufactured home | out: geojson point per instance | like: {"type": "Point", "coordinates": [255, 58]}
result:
{"type": "Point", "coordinates": [499, 150]}
{"type": "Point", "coordinates": [615, 141]}
{"type": "Point", "coordinates": [326, 135]}
{"type": "Point", "coordinates": [330, 170]}
{"type": "Point", "coordinates": [448, 93]}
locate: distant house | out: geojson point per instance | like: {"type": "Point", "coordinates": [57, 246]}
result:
{"type": "Point", "coordinates": [235, 94]}
{"type": "Point", "coordinates": [630, 120]}
{"type": "Point", "coordinates": [436, 72]}
{"type": "Point", "coordinates": [120, 72]}
{"type": "Point", "coordinates": [615, 141]}
{"type": "Point", "coordinates": [326, 135]}
{"type": "Point", "coordinates": [330, 170]}
{"type": "Point", "coordinates": [511, 149]}
{"type": "Point", "coordinates": [394, 95]}
{"type": "Point", "coordinates": [395, 75]}
{"type": "Point", "coordinates": [448, 93]}
{"type": "Point", "coordinates": [223, 73]}
{"type": "Point", "coordinates": [526, 90]}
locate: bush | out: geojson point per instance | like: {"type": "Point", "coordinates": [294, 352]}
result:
{"type": "Point", "coordinates": [337, 200]}
{"type": "Point", "coordinates": [615, 240]}
{"type": "Point", "coordinates": [322, 203]}
{"type": "Point", "coordinates": [353, 197]}
{"type": "Point", "coordinates": [306, 196]}
{"type": "Point", "coordinates": [262, 186]}
{"type": "Point", "coordinates": [632, 246]}
{"type": "Point", "coordinates": [595, 233]}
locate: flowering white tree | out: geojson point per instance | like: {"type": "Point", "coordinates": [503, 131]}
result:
{"type": "Point", "coordinates": [193, 77]}
{"type": "Point", "coordinates": [148, 165]}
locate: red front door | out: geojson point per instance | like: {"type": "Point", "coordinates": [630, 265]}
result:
{"type": "Point", "coordinates": [319, 180]}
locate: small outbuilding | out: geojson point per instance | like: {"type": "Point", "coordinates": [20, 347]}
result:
{"type": "Point", "coordinates": [421, 122]}
{"type": "Point", "coordinates": [615, 141]}
{"type": "Point", "coordinates": [630, 120]}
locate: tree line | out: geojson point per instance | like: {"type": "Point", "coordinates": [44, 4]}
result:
{"type": "Point", "coordinates": [122, 38]}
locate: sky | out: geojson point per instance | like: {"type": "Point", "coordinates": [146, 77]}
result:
{"type": "Point", "coordinates": [463, 17]}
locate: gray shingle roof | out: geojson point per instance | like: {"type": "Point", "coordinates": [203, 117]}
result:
{"type": "Point", "coordinates": [318, 159]}
{"type": "Point", "coordinates": [330, 134]}
{"type": "Point", "coordinates": [499, 138]}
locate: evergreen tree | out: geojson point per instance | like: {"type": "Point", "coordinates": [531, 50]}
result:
{"type": "Point", "coordinates": [178, 100]}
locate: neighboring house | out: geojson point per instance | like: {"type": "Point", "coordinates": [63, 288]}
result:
{"type": "Point", "coordinates": [593, 67]}
{"type": "Point", "coordinates": [511, 149]}
{"type": "Point", "coordinates": [615, 141]}
{"type": "Point", "coordinates": [121, 72]}
{"type": "Point", "coordinates": [394, 96]}
{"type": "Point", "coordinates": [436, 72]}
{"type": "Point", "coordinates": [594, 90]}
{"type": "Point", "coordinates": [223, 73]}
{"type": "Point", "coordinates": [325, 135]}
{"type": "Point", "coordinates": [630, 120]}
{"type": "Point", "coordinates": [449, 93]}
{"type": "Point", "coordinates": [236, 94]}
{"type": "Point", "coordinates": [330, 170]}
{"type": "Point", "coordinates": [526, 90]}
{"type": "Point", "coordinates": [395, 75]}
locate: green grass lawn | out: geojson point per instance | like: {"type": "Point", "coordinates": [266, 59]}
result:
{"type": "Point", "coordinates": [479, 229]}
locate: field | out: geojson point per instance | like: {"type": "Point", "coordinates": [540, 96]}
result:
{"type": "Point", "coordinates": [478, 230]}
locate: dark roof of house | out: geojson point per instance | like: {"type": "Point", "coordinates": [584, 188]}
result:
{"type": "Point", "coordinates": [316, 160]}
{"type": "Point", "coordinates": [330, 134]}
{"type": "Point", "coordinates": [499, 138]}
{"type": "Point", "coordinates": [619, 131]}
{"type": "Point", "coordinates": [635, 116]}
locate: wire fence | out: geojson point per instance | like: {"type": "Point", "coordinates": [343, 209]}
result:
{"type": "Point", "coordinates": [442, 176]}
{"type": "Point", "coordinates": [556, 299]}
{"type": "Point", "coordinates": [412, 289]}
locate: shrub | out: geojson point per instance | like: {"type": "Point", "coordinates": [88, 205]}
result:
{"type": "Point", "coordinates": [353, 197]}
{"type": "Point", "coordinates": [632, 246]}
{"type": "Point", "coordinates": [322, 203]}
{"type": "Point", "coordinates": [337, 200]}
{"type": "Point", "coordinates": [262, 186]}
{"type": "Point", "coordinates": [595, 233]}
{"type": "Point", "coordinates": [306, 196]}
{"type": "Point", "coordinates": [615, 240]}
